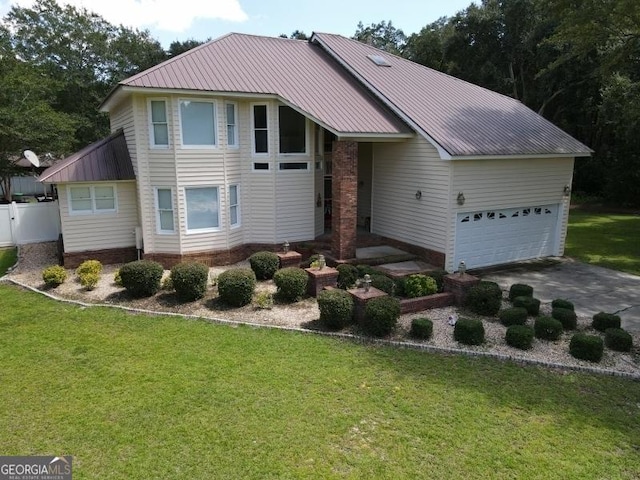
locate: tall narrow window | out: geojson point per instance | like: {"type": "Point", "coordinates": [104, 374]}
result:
{"type": "Point", "coordinates": [232, 127]}
{"type": "Point", "coordinates": [202, 208]}
{"type": "Point", "coordinates": [234, 206]}
{"type": "Point", "coordinates": [159, 126]}
{"type": "Point", "coordinates": [260, 129]}
{"type": "Point", "coordinates": [164, 209]}
{"type": "Point", "coordinates": [198, 123]}
{"type": "Point", "coordinates": [293, 130]}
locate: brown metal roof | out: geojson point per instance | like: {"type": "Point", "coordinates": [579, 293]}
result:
{"type": "Point", "coordinates": [105, 160]}
{"type": "Point", "coordinates": [464, 119]}
{"type": "Point", "coordinates": [299, 72]}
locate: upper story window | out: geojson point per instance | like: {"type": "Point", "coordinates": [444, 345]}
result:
{"type": "Point", "coordinates": [293, 130]}
{"type": "Point", "coordinates": [89, 199]}
{"type": "Point", "coordinates": [232, 125]}
{"type": "Point", "coordinates": [159, 134]}
{"type": "Point", "coordinates": [198, 120]}
{"type": "Point", "coordinates": [260, 130]}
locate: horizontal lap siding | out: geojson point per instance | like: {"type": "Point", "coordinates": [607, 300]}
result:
{"type": "Point", "coordinates": [123, 117]}
{"type": "Point", "coordinates": [295, 207]}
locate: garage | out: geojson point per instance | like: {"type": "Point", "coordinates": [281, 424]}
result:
{"type": "Point", "coordinates": [493, 237]}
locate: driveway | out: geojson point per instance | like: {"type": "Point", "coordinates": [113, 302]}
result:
{"type": "Point", "coordinates": [591, 289]}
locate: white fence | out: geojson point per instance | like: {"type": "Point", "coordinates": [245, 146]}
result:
{"type": "Point", "coordinates": [22, 223]}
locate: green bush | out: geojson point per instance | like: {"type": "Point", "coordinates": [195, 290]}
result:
{"type": "Point", "coordinates": [366, 270]}
{"type": "Point", "coordinates": [561, 303]}
{"type": "Point", "coordinates": [291, 283]}
{"type": "Point", "coordinates": [618, 339]}
{"type": "Point", "coordinates": [419, 285]}
{"type": "Point", "coordinates": [400, 283]}
{"type": "Point", "coordinates": [89, 280]}
{"type": "Point", "coordinates": [513, 316]}
{"type": "Point", "coordinates": [166, 283]}
{"type": "Point", "coordinates": [54, 275]}
{"type": "Point", "coordinates": [520, 290]}
{"type": "Point", "coordinates": [492, 288]}
{"type": "Point", "coordinates": [381, 316]}
{"type": "Point", "coordinates": [438, 276]}
{"type": "Point", "coordinates": [469, 331]}
{"type": "Point", "coordinates": [117, 279]}
{"type": "Point", "coordinates": [336, 308]}
{"type": "Point", "coordinates": [519, 336]}
{"type": "Point", "coordinates": [384, 283]}
{"type": "Point", "coordinates": [189, 280]}
{"type": "Point", "coordinates": [141, 278]}
{"type": "Point", "coordinates": [530, 304]}
{"type": "Point", "coordinates": [312, 259]}
{"type": "Point", "coordinates": [483, 299]}
{"type": "Point", "coordinates": [89, 266]}
{"type": "Point", "coordinates": [263, 300]}
{"type": "Point", "coordinates": [567, 317]}
{"type": "Point", "coordinates": [547, 328]}
{"type": "Point", "coordinates": [602, 321]}
{"type": "Point", "coordinates": [347, 276]}
{"type": "Point", "coordinates": [236, 286]}
{"type": "Point", "coordinates": [264, 264]}
{"type": "Point", "coordinates": [586, 347]}
{"type": "Point", "coordinates": [421, 328]}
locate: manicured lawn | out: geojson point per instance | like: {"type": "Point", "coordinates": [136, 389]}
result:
{"type": "Point", "coordinates": [8, 257]}
{"type": "Point", "coordinates": [137, 397]}
{"type": "Point", "coordinates": [607, 240]}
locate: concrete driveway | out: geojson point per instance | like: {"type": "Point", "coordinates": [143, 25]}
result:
{"type": "Point", "coordinates": [591, 289]}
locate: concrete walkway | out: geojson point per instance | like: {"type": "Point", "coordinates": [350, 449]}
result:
{"type": "Point", "coordinates": [591, 289]}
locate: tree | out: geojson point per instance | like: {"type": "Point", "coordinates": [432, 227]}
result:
{"type": "Point", "coordinates": [296, 35]}
{"type": "Point", "coordinates": [177, 47]}
{"type": "Point", "coordinates": [381, 35]}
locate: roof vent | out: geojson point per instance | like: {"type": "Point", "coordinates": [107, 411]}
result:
{"type": "Point", "coordinates": [379, 60]}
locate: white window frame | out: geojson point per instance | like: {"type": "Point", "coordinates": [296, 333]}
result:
{"type": "Point", "coordinates": [289, 170]}
{"type": "Point", "coordinates": [236, 205]}
{"type": "Point", "coordinates": [159, 229]}
{"type": "Point", "coordinates": [186, 210]}
{"type": "Point", "coordinates": [236, 141]}
{"type": "Point", "coordinates": [215, 123]}
{"type": "Point", "coordinates": [253, 130]}
{"type": "Point", "coordinates": [306, 136]}
{"type": "Point", "coordinates": [93, 210]}
{"type": "Point", "coordinates": [152, 135]}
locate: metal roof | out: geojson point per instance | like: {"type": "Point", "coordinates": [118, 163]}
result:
{"type": "Point", "coordinates": [105, 160]}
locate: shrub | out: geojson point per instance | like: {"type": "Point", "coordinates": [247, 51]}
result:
{"type": "Point", "coordinates": [469, 331]}
{"type": "Point", "coordinates": [618, 339]}
{"type": "Point", "coordinates": [520, 290]}
{"type": "Point", "coordinates": [513, 316]}
{"type": "Point", "coordinates": [309, 261]}
{"type": "Point", "coordinates": [264, 264]}
{"type": "Point", "coordinates": [236, 286]}
{"type": "Point", "coordinates": [347, 276]}
{"type": "Point", "coordinates": [561, 303]}
{"type": "Point", "coordinates": [492, 288]}
{"type": "Point", "coordinates": [189, 280]}
{"type": "Point", "coordinates": [291, 283]}
{"type": "Point", "coordinates": [419, 286]}
{"type": "Point", "coordinates": [264, 300]}
{"type": "Point", "coordinates": [366, 270]}
{"type": "Point", "coordinates": [483, 299]}
{"type": "Point", "coordinates": [381, 316]}
{"type": "Point", "coordinates": [384, 283]}
{"type": "Point", "coordinates": [519, 336]}
{"type": "Point", "coordinates": [530, 304]}
{"type": "Point", "coordinates": [547, 328]}
{"type": "Point", "coordinates": [141, 278]}
{"type": "Point", "coordinates": [567, 317]}
{"type": "Point", "coordinates": [54, 275]}
{"type": "Point", "coordinates": [89, 280]}
{"type": "Point", "coordinates": [89, 266]}
{"type": "Point", "coordinates": [586, 347]}
{"type": "Point", "coordinates": [166, 283]}
{"type": "Point", "coordinates": [336, 308]}
{"type": "Point", "coordinates": [400, 283]}
{"type": "Point", "coordinates": [117, 279]}
{"type": "Point", "coordinates": [421, 328]}
{"type": "Point", "coordinates": [602, 321]}
{"type": "Point", "coordinates": [438, 276]}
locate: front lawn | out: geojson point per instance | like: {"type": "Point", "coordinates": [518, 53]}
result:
{"type": "Point", "coordinates": [607, 240]}
{"type": "Point", "coordinates": [136, 396]}
{"type": "Point", "coordinates": [8, 258]}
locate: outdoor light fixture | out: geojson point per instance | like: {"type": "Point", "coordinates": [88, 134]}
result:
{"type": "Point", "coordinates": [321, 262]}
{"type": "Point", "coordinates": [367, 282]}
{"type": "Point", "coordinates": [462, 268]}
{"type": "Point", "coordinates": [418, 194]}
{"type": "Point", "coordinates": [461, 198]}
{"type": "Point", "coordinates": [285, 247]}
{"type": "Point", "coordinates": [567, 190]}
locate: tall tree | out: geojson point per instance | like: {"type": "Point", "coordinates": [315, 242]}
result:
{"type": "Point", "coordinates": [382, 35]}
{"type": "Point", "coordinates": [178, 47]}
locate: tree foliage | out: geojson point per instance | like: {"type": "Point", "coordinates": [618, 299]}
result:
{"type": "Point", "coordinates": [382, 35]}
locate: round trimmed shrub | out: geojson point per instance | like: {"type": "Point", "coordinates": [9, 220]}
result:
{"type": "Point", "coordinates": [54, 275]}
{"type": "Point", "coordinates": [291, 283]}
{"type": "Point", "coordinates": [384, 283]}
{"type": "Point", "coordinates": [561, 303]}
{"type": "Point", "coordinates": [547, 328]}
{"type": "Point", "coordinates": [141, 278]}
{"type": "Point", "coordinates": [492, 288]}
{"type": "Point", "coordinates": [586, 347]}
{"type": "Point", "coordinates": [264, 264]}
{"type": "Point", "coordinates": [602, 321]}
{"type": "Point", "coordinates": [519, 336]}
{"type": "Point", "coordinates": [89, 280]}
{"type": "Point", "coordinates": [89, 266]}
{"type": "Point", "coordinates": [520, 290]}
{"type": "Point", "coordinates": [618, 339]}
{"type": "Point", "coordinates": [381, 316]}
{"type": "Point", "coordinates": [347, 276]}
{"type": "Point", "coordinates": [513, 316]}
{"type": "Point", "coordinates": [483, 299]}
{"type": "Point", "coordinates": [336, 308]}
{"type": "Point", "coordinates": [532, 305]}
{"type": "Point", "coordinates": [236, 286]}
{"type": "Point", "coordinates": [567, 317]}
{"type": "Point", "coordinates": [469, 331]}
{"type": "Point", "coordinates": [421, 328]}
{"type": "Point", "coordinates": [419, 286]}
{"type": "Point", "coordinates": [189, 280]}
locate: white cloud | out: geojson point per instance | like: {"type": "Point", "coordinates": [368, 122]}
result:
{"type": "Point", "coordinates": [166, 15]}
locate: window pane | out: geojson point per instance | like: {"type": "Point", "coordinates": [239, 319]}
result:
{"type": "Point", "coordinates": [198, 123]}
{"type": "Point", "coordinates": [80, 193]}
{"type": "Point", "coordinates": [202, 208]}
{"type": "Point", "coordinates": [233, 195]}
{"type": "Point", "coordinates": [105, 204]}
{"type": "Point", "coordinates": [261, 141]}
{"type": "Point", "coordinates": [164, 199]}
{"type": "Point", "coordinates": [104, 192]}
{"type": "Point", "coordinates": [78, 205]}
{"type": "Point", "coordinates": [292, 131]}
{"type": "Point", "coordinates": [160, 134]}
{"type": "Point", "coordinates": [231, 135]}
{"type": "Point", "coordinates": [166, 220]}
{"type": "Point", "coordinates": [231, 114]}
{"type": "Point", "coordinates": [259, 116]}
{"type": "Point", "coordinates": [158, 112]}
{"type": "Point", "coordinates": [260, 166]}
{"type": "Point", "coordinates": [293, 166]}
{"type": "Point", "coordinates": [233, 213]}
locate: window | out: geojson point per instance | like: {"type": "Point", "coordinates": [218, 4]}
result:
{"type": "Point", "coordinates": [234, 206]}
{"type": "Point", "coordinates": [260, 130]}
{"type": "Point", "coordinates": [159, 126]}
{"type": "Point", "coordinates": [232, 126]}
{"type": "Point", "coordinates": [202, 208]}
{"type": "Point", "coordinates": [164, 210]}
{"type": "Point", "coordinates": [293, 130]}
{"type": "Point", "coordinates": [198, 121]}
{"type": "Point", "coordinates": [293, 166]}
{"type": "Point", "coordinates": [92, 199]}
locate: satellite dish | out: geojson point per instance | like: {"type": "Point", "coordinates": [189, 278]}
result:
{"type": "Point", "coordinates": [32, 157]}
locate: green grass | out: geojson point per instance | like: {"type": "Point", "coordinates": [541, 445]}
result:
{"type": "Point", "coordinates": [607, 240]}
{"type": "Point", "coordinates": [8, 257]}
{"type": "Point", "coordinates": [137, 397]}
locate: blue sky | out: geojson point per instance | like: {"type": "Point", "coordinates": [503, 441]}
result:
{"type": "Point", "coordinates": [170, 20]}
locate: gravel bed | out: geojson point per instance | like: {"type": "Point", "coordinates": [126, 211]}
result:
{"type": "Point", "coordinates": [34, 258]}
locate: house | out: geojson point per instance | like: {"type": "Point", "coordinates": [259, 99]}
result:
{"type": "Point", "coordinates": [246, 142]}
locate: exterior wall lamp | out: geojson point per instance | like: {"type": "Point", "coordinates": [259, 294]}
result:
{"type": "Point", "coordinates": [566, 191]}
{"type": "Point", "coordinates": [461, 198]}
{"type": "Point", "coordinates": [418, 194]}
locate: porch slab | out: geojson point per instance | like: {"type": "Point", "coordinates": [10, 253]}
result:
{"type": "Point", "coordinates": [403, 269]}
{"type": "Point", "coordinates": [379, 251]}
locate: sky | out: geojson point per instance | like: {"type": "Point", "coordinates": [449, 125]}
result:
{"type": "Point", "coordinates": [170, 20]}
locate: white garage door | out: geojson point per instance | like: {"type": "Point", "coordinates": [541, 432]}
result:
{"type": "Point", "coordinates": [492, 237]}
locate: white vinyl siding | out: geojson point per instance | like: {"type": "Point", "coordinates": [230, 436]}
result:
{"type": "Point", "coordinates": [159, 126]}
{"type": "Point", "coordinates": [234, 206]}
{"type": "Point", "coordinates": [203, 209]}
{"type": "Point", "coordinates": [295, 207]}
{"type": "Point", "coordinates": [92, 199]}
{"type": "Point", "coordinates": [232, 124]}
{"type": "Point", "coordinates": [164, 210]}
{"type": "Point", "coordinates": [198, 123]}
